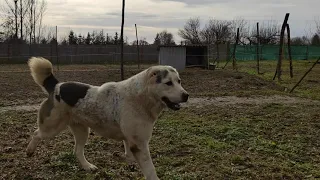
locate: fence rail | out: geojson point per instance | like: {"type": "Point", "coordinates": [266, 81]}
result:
{"type": "Point", "coordinates": [97, 54]}
{"type": "Point", "coordinates": [19, 53]}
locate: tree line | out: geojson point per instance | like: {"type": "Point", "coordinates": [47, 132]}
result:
{"type": "Point", "coordinates": [224, 31]}
{"type": "Point", "coordinates": [22, 20]}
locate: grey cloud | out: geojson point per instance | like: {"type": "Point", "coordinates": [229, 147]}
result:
{"type": "Point", "coordinates": [132, 14]}
{"type": "Point", "coordinates": [129, 22]}
{"type": "Point", "coordinates": [197, 2]}
{"type": "Point", "coordinates": [252, 10]}
{"type": "Point", "coordinates": [213, 2]}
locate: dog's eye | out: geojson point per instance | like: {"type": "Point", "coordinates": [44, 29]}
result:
{"type": "Point", "coordinates": [169, 83]}
{"type": "Point", "coordinates": [179, 81]}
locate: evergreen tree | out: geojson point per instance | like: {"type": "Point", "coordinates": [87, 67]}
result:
{"type": "Point", "coordinates": [88, 40]}
{"type": "Point", "coordinates": [315, 40]}
{"type": "Point", "coordinates": [116, 39]}
{"type": "Point", "coordinates": [72, 38]}
{"type": "Point", "coordinates": [157, 40]}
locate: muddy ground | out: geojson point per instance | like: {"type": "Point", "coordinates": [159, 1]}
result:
{"type": "Point", "coordinates": [235, 126]}
{"type": "Point", "coordinates": [18, 88]}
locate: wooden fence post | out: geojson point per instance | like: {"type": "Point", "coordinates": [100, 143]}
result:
{"type": "Point", "coordinates": [258, 47]}
{"type": "Point", "coordinates": [278, 70]}
{"type": "Point", "coordinates": [305, 74]}
{"type": "Point", "coordinates": [289, 51]}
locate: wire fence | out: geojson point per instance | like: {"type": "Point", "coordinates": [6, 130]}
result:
{"type": "Point", "coordinates": [110, 54]}
{"type": "Point", "coordinates": [73, 54]}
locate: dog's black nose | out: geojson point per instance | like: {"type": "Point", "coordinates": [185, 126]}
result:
{"type": "Point", "coordinates": [185, 97]}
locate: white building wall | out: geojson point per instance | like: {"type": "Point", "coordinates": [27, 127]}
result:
{"type": "Point", "coordinates": [173, 56]}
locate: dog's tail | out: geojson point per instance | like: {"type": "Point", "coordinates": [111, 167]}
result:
{"type": "Point", "coordinates": [42, 73]}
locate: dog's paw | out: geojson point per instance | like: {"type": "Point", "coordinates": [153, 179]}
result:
{"type": "Point", "coordinates": [89, 167]}
{"type": "Point", "coordinates": [130, 158]}
{"type": "Point", "coordinates": [29, 152]}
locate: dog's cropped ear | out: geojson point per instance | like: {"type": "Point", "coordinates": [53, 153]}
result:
{"type": "Point", "coordinates": [156, 75]}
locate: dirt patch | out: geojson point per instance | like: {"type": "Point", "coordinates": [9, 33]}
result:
{"type": "Point", "coordinates": [239, 142]}
{"type": "Point", "coordinates": [20, 108]}
{"type": "Point", "coordinates": [18, 87]}
{"type": "Point", "coordinates": [253, 100]}
{"type": "Point", "coordinates": [205, 101]}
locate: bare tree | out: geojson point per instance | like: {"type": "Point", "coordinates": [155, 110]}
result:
{"type": "Point", "coordinates": [242, 24]}
{"type": "Point", "coordinates": [269, 33]}
{"type": "Point", "coordinates": [191, 31]}
{"type": "Point", "coordinates": [8, 15]}
{"type": "Point", "coordinates": [31, 16]}
{"type": "Point", "coordinates": [142, 41]}
{"type": "Point", "coordinates": [300, 40]}
{"type": "Point", "coordinates": [30, 13]}
{"type": "Point", "coordinates": [217, 31]}
{"type": "Point", "coordinates": [317, 23]}
{"type": "Point", "coordinates": [164, 38]}
{"type": "Point", "coordinates": [24, 4]}
{"type": "Point", "coordinates": [41, 13]}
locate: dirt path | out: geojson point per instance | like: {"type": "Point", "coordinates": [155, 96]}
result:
{"type": "Point", "coordinates": [255, 100]}
{"type": "Point", "coordinates": [204, 101]}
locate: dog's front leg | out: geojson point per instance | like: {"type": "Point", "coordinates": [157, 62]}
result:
{"type": "Point", "coordinates": [142, 154]}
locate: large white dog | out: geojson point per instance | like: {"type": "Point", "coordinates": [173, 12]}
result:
{"type": "Point", "coordinates": [125, 110]}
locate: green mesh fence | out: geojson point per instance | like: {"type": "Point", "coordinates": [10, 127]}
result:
{"type": "Point", "coordinates": [271, 52]}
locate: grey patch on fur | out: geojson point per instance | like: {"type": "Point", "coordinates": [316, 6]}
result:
{"type": "Point", "coordinates": [110, 90]}
{"type": "Point", "coordinates": [50, 83]}
{"type": "Point", "coordinates": [159, 79]}
{"type": "Point", "coordinates": [161, 75]}
{"type": "Point", "coordinates": [71, 92]}
{"type": "Point", "coordinates": [45, 109]}
{"type": "Point", "coordinates": [115, 110]}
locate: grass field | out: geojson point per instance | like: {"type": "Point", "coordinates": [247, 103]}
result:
{"type": "Point", "coordinates": [309, 88]}
{"type": "Point", "coordinates": [238, 125]}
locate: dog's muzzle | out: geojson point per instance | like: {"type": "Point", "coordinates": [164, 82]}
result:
{"type": "Point", "coordinates": [171, 105]}
{"type": "Point", "coordinates": [185, 97]}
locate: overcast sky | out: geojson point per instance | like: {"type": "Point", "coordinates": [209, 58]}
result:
{"type": "Point", "coordinates": [153, 16]}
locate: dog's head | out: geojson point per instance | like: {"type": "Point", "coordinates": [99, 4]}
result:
{"type": "Point", "coordinates": [165, 85]}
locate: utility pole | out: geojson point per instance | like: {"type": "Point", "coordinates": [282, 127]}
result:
{"type": "Point", "coordinates": [137, 46]}
{"type": "Point", "coordinates": [121, 39]}
{"type": "Point", "coordinates": [16, 17]}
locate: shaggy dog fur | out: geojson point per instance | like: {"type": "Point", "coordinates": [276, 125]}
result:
{"type": "Point", "coordinates": [124, 111]}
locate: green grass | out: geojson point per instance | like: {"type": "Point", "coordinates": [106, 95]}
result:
{"type": "Point", "coordinates": [240, 141]}
{"type": "Point", "coordinates": [269, 141]}
{"type": "Point", "coordinates": [310, 86]}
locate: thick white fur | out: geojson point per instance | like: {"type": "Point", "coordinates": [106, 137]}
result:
{"type": "Point", "coordinates": [124, 111]}
{"type": "Point", "coordinates": [40, 69]}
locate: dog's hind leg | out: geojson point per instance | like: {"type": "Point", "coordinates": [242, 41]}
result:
{"type": "Point", "coordinates": [48, 126]}
{"type": "Point", "coordinates": [81, 133]}
{"type": "Point", "coordinates": [40, 134]}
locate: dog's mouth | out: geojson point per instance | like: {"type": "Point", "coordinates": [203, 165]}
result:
{"type": "Point", "coordinates": [171, 105]}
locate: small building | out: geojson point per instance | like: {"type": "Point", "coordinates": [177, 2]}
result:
{"type": "Point", "coordinates": [184, 56]}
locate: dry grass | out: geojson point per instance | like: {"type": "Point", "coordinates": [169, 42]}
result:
{"type": "Point", "coordinates": [271, 140]}
{"type": "Point", "coordinates": [310, 86]}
